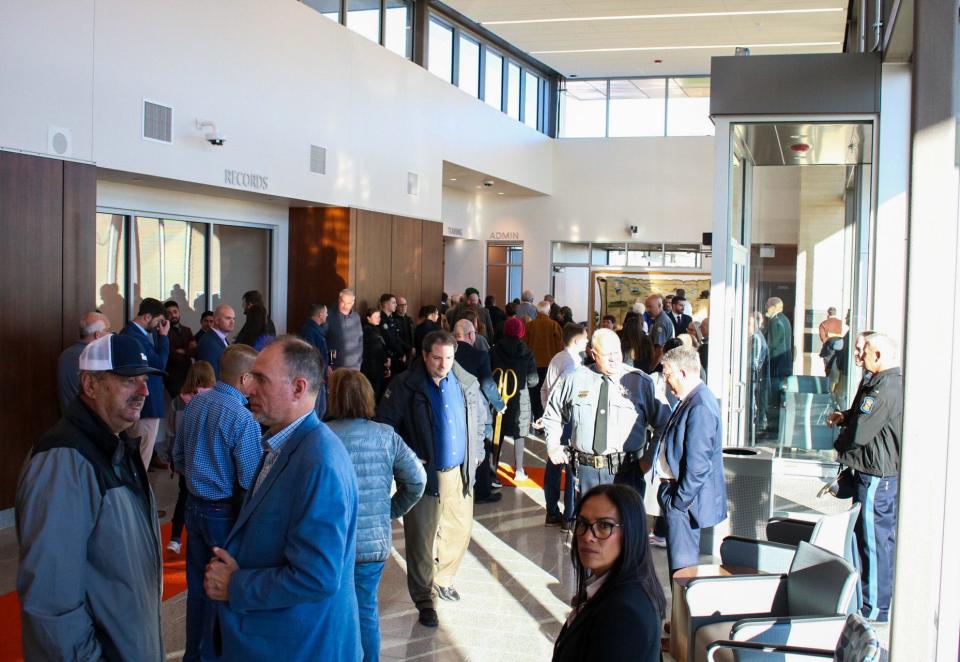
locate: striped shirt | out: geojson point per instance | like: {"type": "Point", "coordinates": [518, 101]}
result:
{"type": "Point", "coordinates": [218, 444]}
{"type": "Point", "coordinates": [272, 446]}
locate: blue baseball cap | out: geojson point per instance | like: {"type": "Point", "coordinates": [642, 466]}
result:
{"type": "Point", "coordinates": [121, 355]}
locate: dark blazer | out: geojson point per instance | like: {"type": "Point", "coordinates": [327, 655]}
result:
{"type": "Point", "coordinates": [624, 626]}
{"type": "Point", "coordinates": [477, 363]}
{"type": "Point", "coordinates": [692, 441]}
{"type": "Point", "coordinates": [423, 329]}
{"type": "Point", "coordinates": [210, 349]}
{"type": "Point", "coordinates": [154, 406]}
{"type": "Point", "coordinates": [294, 540]}
{"type": "Point", "coordinates": [374, 360]}
{"type": "Point", "coordinates": [680, 326]}
{"type": "Point", "coordinates": [316, 335]}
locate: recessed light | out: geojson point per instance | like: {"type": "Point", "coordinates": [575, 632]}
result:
{"type": "Point", "coordinates": [500, 193]}
{"type": "Point", "coordinates": [799, 136]}
{"type": "Point", "coordinates": [453, 179]}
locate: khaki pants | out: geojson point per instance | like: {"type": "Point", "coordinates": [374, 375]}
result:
{"type": "Point", "coordinates": [146, 430]}
{"type": "Point", "coordinates": [437, 533]}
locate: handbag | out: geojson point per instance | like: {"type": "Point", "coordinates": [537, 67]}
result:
{"type": "Point", "coordinates": [841, 487]}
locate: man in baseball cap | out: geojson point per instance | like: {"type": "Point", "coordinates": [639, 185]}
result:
{"type": "Point", "coordinates": [87, 521]}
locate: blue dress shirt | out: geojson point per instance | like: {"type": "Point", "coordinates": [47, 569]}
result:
{"type": "Point", "coordinates": [218, 443]}
{"type": "Point", "coordinates": [449, 422]}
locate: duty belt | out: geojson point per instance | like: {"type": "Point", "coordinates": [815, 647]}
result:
{"type": "Point", "coordinates": [612, 461]}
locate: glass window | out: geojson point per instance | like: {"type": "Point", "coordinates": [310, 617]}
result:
{"type": "Point", "coordinates": [112, 268]}
{"type": "Point", "coordinates": [688, 107]}
{"type": "Point", "coordinates": [531, 99]}
{"type": "Point", "coordinates": [329, 8]}
{"type": "Point", "coordinates": [167, 262]}
{"type": "Point", "coordinates": [504, 271]}
{"type": "Point", "coordinates": [363, 17]}
{"type": "Point", "coordinates": [469, 80]}
{"type": "Point", "coordinates": [513, 90]}
{"type": "Point", "coordinates": [239, 262]}
{"type": "Point", "coordinates": [609, 255]}
{"type": "Point", "coordinates": [637, 107]}
{"type": "Point", "coordinates": [493, 80]}
{"type": "Point", "coordinates": [583, 109]}
{"type": "Point", "coordinates": [440, 57]}
{"type": "Point", "coordinates": [645, 255]}
{"type": "Point", "coordinates": [571, 253]}
{"type": "Point", "coordinates": [398, 33]}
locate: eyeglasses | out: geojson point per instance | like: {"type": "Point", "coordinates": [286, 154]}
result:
{"type": "Point", "coordinates": [602, 528]}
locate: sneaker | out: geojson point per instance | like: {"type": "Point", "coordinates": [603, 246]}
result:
{"type": "Point", "coordinates": [520, 476]}
{"type": "Point", "coordinates": [173, 546]}
{"type": "Point", "coordinates": [553, 520]}
{"type": "Point", "coordinates": [448, 593]}
{"type": "Point", "coordinates": [567, 525]}
{"type": "Point", "coordinates": [496, 484]}
{"type": "Point", "coordinates": [657, 541]}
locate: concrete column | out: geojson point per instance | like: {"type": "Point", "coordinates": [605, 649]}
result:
{"type": "Point", "coordinates": [927, 587]}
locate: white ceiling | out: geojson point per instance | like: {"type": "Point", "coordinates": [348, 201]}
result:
{"type": "Point", "coordinates": [625, 37]}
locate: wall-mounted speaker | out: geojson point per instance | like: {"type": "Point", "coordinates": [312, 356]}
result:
{"type": "Point", "coordinates": [59, 141]}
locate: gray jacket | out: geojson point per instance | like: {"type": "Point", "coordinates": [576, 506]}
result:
{"type": "Point", "coordinates": [379, 457]}
{"type": "Point", "coordinates": [89, 580]}
{"type": "Point", "coordinates": [633, 406]}
{"type": "Point", "coordinates": [344, 339]}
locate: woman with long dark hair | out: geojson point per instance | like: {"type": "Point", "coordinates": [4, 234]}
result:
{"type": "Point", "coordinates": [636, 345]}
{"type": "Point", "coordinates": [257, 330]}
{"type": "Point", "coordinates": [375, 363]}
{"type": "Point", "coordinates": [619, 604]}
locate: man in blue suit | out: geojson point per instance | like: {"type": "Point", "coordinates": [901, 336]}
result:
{"type": "Point", "coordinates": [688, 460]}
{"type": "Point", "coordinates": [149, 328]}
{"type": "Point", "coordinates": [214, 342]}
{"type": "Point", "coordinates": [284, 577]}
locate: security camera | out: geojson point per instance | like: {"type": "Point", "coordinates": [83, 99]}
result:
{"type": "Point", "coordinates": [210, 133]}
{"type": "Point", "coordinates": [488, 183]}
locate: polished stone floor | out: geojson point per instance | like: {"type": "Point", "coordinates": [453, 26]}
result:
{"type": "Point", "coordinates": [515, 581]}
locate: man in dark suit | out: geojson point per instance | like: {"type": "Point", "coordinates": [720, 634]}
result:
{"type": "Point", "coordinates": [283, 581]}
{"type": "Point", "coordinates": [688, 460]}
{"type": "Point", "coordinates": [779, 336]}
{"type": "Point", "coordinates": [477, 363]}
{"type": "Point", "coordinates": [150, 328]}
{"type": "Point", "coordinates": [680, 320]}
{"type": "Point", "coordinates": [211, 345]}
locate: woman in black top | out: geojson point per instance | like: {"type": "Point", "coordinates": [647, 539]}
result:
{"type": "Point", "coordinates": [428, 324]}
{"type": "Point", "coordinates": [619, 604]}
{"type": "Point", "coordinates": [511, 353]}
{"type": "Point", "coordinates": [374, 365]}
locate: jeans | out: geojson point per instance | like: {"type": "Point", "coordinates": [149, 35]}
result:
{"type": "Point", "coordinates": [366, 581]}
{"type": "Point", "coordinates": [876, 529]}
{"type": "Point", "coordinates": [208, 525]}
{"type": "Point", "coordinates": [551, 489]}
{"type": "Point", "coordinates": [180, 511]}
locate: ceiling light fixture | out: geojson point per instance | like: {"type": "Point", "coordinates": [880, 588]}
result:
{"type": "Point", "coordinates": [642, 17]}
{"type": "Point", "coordinates": [718, 47]}
{"type": "Point", "coordinates": [453, 179]}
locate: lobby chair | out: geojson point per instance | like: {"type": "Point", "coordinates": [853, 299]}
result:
{"type": "Point", "coordinates": [781, 609]}
{"type": "Point", "coordinates": [833, 533]}
{"type": "Point", "coordinates": [858, 642]}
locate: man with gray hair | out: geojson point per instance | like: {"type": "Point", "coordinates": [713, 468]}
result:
{"type": "Point", "coordinates": [661, 326]}
{"type": "Point", "coordinates": [688, 461]}
{"type": "Point", "coordinates": [345, 333]}
{"type": "Point", "coordinates": [526, 306]}
{"type": "Point", "coordinates": [610, 406]}
{"type": "Point", "coordinates": [869, 445]}
{"type": "Point", "coordinates": [92, 326]}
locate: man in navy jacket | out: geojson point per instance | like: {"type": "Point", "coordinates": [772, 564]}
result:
{"type": "Point", "coordinates": [214, 342]}
{"type": "Point", "coordinates": [149, 328]}
{"type": "Point", "coordinates": [314, 331]}
{"type": "Point", "coordinates": [688, 461]}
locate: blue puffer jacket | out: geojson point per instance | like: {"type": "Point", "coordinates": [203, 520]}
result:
{"type": "Point", "coordinates": [379, 456]}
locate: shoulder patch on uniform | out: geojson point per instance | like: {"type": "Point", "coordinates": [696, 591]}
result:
{"type": "Point", "coordinates": [867, 404]}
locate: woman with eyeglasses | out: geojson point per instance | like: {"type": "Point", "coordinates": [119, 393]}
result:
{"type": "Point", "coordinates": [619, 604]}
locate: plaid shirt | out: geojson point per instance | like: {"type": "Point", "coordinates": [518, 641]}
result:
{"type": "Point", "coordinates": [272, 445]}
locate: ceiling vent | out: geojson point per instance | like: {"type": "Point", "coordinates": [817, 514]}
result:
{"type": "Point", "coordinates": [59, 141]}
{"type": "Point", "coordinates": [318, 159]}
{"type": "Point", "coordinates": [157, 122]}
{"type": "Point", "coordinates": [413, 183]}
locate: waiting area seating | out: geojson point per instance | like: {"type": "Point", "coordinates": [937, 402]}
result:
{"type": "Point", "coordinates": [807, 402]}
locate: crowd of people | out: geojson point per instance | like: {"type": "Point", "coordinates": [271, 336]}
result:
{"type": "Point", "coordinates": [287, 449]}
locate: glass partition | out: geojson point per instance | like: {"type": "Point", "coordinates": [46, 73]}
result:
{"type": "Point", "coordinates": [398, 27]}
{"type": "Point", "coordinates": [112, 268]}
{"type": "Point", "coordinates": [637, 107]}
{"type": "Point", "coordinates": [493, 79]}
{"type": "Point", "coordinates": [469, 71]}
{"type": "Point", "coordinates": [440, 56]}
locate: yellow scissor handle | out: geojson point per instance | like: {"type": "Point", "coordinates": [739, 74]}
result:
{"type": "Point", "coordinates": [503, 383]}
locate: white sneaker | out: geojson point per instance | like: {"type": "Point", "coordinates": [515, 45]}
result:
{"type": "Point", "coordinates": [657, 541]}
{"type": "Point", "coordinates": [520, 476]}
{"type": "Point", "coordinates": [173, 546]}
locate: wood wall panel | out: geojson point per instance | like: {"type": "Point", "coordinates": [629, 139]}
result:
{"type": "Point", "coordinates": [374, 257]}
{"type": "Point", "coordinates": [79, 246]}
{"type": "Point", "coordinates": [31, 270]}
{"type": "Point", "coordinates": [405, 271]}
{"type": "Point", "coordinates": [431, 265]}
{"type": "Point", "coordinates": [318, 259]}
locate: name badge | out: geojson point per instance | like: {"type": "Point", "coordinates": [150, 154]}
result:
{"type": "Point", "coordinates": [583, 394]}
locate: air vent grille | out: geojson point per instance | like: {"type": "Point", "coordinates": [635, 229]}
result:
{"type": "Point", "coordinates": [157, 122]}
{"type": "Point", "coordinates": [318, 159]}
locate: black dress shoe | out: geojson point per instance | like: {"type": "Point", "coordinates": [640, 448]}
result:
{"type": "Point", "coordinates": [493, 498]}
{"type": "Point", "coordinates": [428, 617]}
{"type": "Point", "coordinates": [448, 593]}
{"type": "Point", "coordinates": [553, 520]}
{"type": "Point", "coordinates": [568, 524]}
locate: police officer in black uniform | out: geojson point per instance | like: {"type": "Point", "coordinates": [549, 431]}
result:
{"type": "Point", "coordinates": [869, 445]}
{"type": "Point", "coordinates": [390, 330]}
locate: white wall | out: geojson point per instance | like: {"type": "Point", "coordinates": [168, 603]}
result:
{"type": "Point", "coordinates": [274, 76]}
{"type": "Point", "coordinates": [600, 187]}
{"type": "Point", "coordinates": [463, 265]}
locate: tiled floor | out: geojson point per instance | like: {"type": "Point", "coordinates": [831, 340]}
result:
{"type": "Point", "coordinates": [515, 581]}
